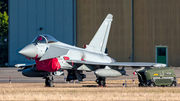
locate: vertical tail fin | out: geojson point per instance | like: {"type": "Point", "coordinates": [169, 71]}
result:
{"type": "Point", "coordinates": [99, 41]}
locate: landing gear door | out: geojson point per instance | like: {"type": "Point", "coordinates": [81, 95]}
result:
{"type": "Point", "coordinates": [58, 73]}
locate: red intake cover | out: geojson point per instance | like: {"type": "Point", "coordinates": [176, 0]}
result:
{"type": "Point", "coordinates": [50, 65]}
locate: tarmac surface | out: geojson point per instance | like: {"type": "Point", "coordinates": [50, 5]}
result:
{"type": "Point", "coordinates": [11, 73]}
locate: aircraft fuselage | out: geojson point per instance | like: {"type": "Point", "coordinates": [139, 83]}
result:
{"type": "Point", "coordinates": [37, 50]}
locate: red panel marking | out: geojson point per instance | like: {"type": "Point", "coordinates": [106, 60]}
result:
{"type": "Point", "coordinates": [35, 57]}
{"type": "Point", "coordinates": [66, 58]}
{"type": "Point", "coordinates": [84, 46]}
{"type": "Point", "coordinates": [72, 63]}
{"type": "Point", "coordinates": [82, 59]}
{"type": "Point", "coordinates": [28, 58]}
{"type": "Point", "coordinates": [50, 65]}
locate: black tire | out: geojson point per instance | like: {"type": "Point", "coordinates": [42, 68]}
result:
{"type": "Point", "coordinates": [152, 84]}
{"type": "Point", "coordinates": [49, 83]}
{"type": "Point", "coordinates": [141, 85]}
{"type": "Point", "coordinates": [46, 82]}
{"type": "Point", "coordinates": [102, 83]}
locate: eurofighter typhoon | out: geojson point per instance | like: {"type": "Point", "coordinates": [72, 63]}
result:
{"type": "Point", "coordinates": [52, 57]}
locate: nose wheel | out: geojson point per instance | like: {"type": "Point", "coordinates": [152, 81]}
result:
{"type": "Point", "coordinates": [49, 80]}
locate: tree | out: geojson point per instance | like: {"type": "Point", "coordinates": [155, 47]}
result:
{"type": "Point", "coordinates": [3, 6]}
{"type": "Point", "coordinates": [4, 24]}
{"type": "Point", "coordinates": [3, 32]}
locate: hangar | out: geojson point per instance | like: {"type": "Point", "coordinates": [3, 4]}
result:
{"type": "Point", "coordinates": [30, 18]}
{"type": "Point", "coordinates": [142, 30]}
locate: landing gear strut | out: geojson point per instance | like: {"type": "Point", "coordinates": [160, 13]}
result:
{"type": "Point", "coordinates": [101, 81]}
{"type": "Point", "coordinates": [49, 79]}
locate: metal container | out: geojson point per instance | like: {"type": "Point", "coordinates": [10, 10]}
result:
{"type": "Point", "coordinates": [156, 77]}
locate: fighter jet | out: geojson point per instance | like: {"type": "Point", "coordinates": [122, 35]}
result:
{"type": "Point", "coordinates": [52, 57]}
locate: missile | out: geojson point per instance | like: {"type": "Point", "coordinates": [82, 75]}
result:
{"type": "Point", "coordinates": [109, 72]}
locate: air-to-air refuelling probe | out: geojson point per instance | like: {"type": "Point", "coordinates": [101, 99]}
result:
{"type": "Point", "coordinates": [52, 57]}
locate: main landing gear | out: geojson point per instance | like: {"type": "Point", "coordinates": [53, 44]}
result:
{"type": "Point", "coordinates": [49, 79]}
{"type": "Point", "coordinates": [101, 81]}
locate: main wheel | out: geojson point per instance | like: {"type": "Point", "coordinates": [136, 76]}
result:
{"type": "Point", "coordinates": [102, 83]}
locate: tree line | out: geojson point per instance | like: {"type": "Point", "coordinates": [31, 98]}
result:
{"type": "Point", "coordinates": [3, 6]}
{"type": "Point", "coordinates": [4, 18]}
{"type": "Point", "coordinates": [3, 32]}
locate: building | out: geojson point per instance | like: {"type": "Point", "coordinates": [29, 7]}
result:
{"type": "Point", "coordinates": [30, 18]}
{"type": "Point", "coordinates": [142, 30]}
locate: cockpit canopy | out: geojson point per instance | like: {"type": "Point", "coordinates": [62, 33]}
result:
{"type": "Point", "coordinates": [44, 39]}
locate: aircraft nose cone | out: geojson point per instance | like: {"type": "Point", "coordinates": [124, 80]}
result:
{"type": "Point", "coordinates": [29, 51]}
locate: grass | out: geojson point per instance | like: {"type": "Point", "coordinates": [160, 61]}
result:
{"type": "Point", "coordinates": [112, 82]}
{"type": "Point", "coordinates": [119, 81]}
{"type": "Point", "coordinates": [37, 91]}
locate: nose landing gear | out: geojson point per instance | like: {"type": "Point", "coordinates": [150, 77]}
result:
{"type": "Point", "coordinates": [49, 79]}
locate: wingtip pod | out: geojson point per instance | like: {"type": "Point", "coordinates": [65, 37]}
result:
{"type": "Point", "coordinates": [159, 65]}
{"type": "Point", "coordinates": [109, 16]}
{"type": "Point", "coordinates": [19, 65]}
